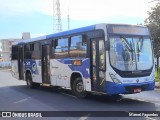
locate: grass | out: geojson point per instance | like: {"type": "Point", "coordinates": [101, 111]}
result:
{"type": "Point", "coordinates": [157, 75]}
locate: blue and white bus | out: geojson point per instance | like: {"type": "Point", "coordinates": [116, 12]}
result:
{"type": "Point", "coordinates": [104, 58]}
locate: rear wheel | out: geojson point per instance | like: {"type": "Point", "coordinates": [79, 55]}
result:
{"type": "Point", "coordinates": [31, 84]}
{"type": "Point", "coordinates": [78, 88]}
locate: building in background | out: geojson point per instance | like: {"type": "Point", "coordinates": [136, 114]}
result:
{"type": "Point", "coordinates": [1, 52]}
{"type": "Point", "coordinates": [5, 46]}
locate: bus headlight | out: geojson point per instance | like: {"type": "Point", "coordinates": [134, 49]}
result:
{"type": "Point", "coordinates": [114, 78]}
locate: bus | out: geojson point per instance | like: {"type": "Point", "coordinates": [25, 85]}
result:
{"type": "Point", "coordinates": [110, 59]}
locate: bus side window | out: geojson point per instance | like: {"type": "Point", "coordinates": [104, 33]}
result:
{"type": "Point", "coordinates": [27, 51]}
{"type": "Point", "coordinates": [61, 48]}
{"type": "Point", "coordinates": [36, 51]}
{"type": "Point", "coordinates": [31, 47]}
{"type": "Point", "coordinates": [14, 52]}
{"type": "Point", "coordinates": [78, 46]}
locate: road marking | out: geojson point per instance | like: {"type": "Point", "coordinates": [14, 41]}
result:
{"type": "Point", "coordinates": [83, 118]}
{"type": "Point", "coordinates": [151, 118]}
{"type": "Point", "coordinates": [22, 100]}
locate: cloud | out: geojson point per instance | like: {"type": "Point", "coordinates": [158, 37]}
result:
{"type": "Point", "coordinates": [97, 9]}
{"type": "Point", "coordinates": [18, 7]}
{"type": "Point", "coordinates": [78, 9]}
{"type": "Point", "coordinates": [108, 8]}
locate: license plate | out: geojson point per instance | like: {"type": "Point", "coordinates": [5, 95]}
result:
{"type": "Point", "coordinates": [137, 90]}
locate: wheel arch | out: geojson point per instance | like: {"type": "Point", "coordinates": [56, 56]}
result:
{"type": "Point", "coordinates": [75, 75]}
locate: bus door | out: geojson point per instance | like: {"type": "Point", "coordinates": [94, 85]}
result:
{"type": "Point", "coordinates": [20, 62]}
{"type": "Point", "coordinates": [46, 64]}
{"type": "Point", "coordinates": [98, 65]}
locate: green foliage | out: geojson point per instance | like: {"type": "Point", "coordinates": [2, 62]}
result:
{"type": "Point", "coordinates": [157, 75]}
{"type": "Point", "coordinates": [153, 23]}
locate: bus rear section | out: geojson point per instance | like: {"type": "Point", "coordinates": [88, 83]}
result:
{"type": "Point", "coordinates": [17, 62]}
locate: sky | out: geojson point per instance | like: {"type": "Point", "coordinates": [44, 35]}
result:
{"type": "Point", "coordinates": [36, 16]}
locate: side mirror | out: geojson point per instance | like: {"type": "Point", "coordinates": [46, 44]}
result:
{"type": "Point", "coordinates": [107, 45]}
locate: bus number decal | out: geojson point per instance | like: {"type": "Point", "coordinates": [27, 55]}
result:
{"type": "Point", "coordinates": [28, 63]}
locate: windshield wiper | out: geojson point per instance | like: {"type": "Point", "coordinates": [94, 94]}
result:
{"type": "Point", "coordinates": [127, 45]}
{"type": "Point", "coordinates": [141, 45]}
{"type": "Point", "coordinates": [139, 48]}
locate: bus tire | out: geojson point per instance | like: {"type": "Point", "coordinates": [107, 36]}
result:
{"type": "Point", "coordinates": [78, 88]}
{"type": "Point", "coordinates": [31, 84]}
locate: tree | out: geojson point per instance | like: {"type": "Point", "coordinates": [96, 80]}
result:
{"type": "Point", "coordinates": [153, 23]}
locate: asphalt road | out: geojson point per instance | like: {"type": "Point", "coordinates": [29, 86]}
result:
{"type": "Point", "coordinates": [15, 96]}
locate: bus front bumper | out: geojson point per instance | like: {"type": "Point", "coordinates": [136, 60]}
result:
{"type": "Point", "coordinates": [113, 88]}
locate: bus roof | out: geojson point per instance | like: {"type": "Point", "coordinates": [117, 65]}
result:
{"type": "Point", "coordinates": [64, 33]}
{"type": "Point", "coordinates": [73, 31]}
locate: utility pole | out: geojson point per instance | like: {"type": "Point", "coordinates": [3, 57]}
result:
{"type": "Point", "coordinates": [68, 20]}
{"type": "Point", "coordinates": [57, 24]}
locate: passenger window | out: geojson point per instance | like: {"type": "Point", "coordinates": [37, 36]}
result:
{"type": "Point", "coordinates": [27, 51]}
{"type": "Point", "coordinates": [61, 48]}
{"type": "Point", "coordinates": [101, 54]}
{"type": "Point", "coordinates": [78, 46]}
{"type": "Point", "coordinates": [31, 47]}
{"type": "Point", "coordinates": [36, 51]}
{"type": "Point", "coordinates": [27, 47]}
{"type": "Point", "coordinates": [15, 53]}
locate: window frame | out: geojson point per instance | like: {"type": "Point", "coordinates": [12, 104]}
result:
{"type": "Point", "coordinates": [55, 44]}
{"type": "Point", "coordinates": [84, 37]}
{"type": "Point", "coordinates": [15, 54]}
{"type": "Point", "coordinates": [36, 51]}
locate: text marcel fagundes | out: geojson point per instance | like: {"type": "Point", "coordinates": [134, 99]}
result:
{"type": "Point", "coordinates": [143, 115]}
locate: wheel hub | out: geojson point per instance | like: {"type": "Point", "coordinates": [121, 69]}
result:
{"type": "Point", "coordinates": [79, 87]}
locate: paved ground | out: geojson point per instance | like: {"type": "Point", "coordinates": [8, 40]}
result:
{"type": "Point", "coordinates": [15, 96]}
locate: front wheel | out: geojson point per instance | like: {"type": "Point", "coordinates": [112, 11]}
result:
{"type": "Point", "coordinates": [78, 88]}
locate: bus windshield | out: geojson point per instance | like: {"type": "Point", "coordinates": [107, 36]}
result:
{"type": "Point", "coordinates": [131, 53]}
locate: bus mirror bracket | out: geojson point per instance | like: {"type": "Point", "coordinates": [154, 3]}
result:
{"type": "Point", "coordinates": [107, 45]}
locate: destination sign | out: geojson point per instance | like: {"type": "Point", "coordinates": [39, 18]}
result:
{"type": "Point", "coordinates": [128, 29]}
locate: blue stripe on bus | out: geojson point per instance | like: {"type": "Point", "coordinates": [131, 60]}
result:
{"type": "Point", "coordinates": [78, 30]}
{"type": "Point", "coordinates": [69, 32]}
{"type": "Point", "coordinates": [113, 88]}
{"type": "Point", "coordinates": [30, 40]}
{"type": "Point", "coordinates": [83, 68]}
{"type": "Point", "coordinates": [80, 68]}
